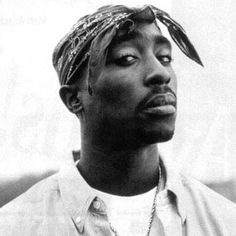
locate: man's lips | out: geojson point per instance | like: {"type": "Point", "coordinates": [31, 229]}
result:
{"type": "Point", "coordinates": [160, 104]}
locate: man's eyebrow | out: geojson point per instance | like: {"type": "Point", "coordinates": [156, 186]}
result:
{"type": "Point", "coordinates": [159, 39]}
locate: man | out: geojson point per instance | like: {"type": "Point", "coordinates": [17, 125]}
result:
{"type": "Point", "coordinates": [116, 77]}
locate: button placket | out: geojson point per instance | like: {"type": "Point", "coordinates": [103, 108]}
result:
{"type": "Point", "coordinates": [80, 224]}
{"type": "Point", "coordinates": [78, 220]}
{"type": "Point", "coordinates": [97, 204]}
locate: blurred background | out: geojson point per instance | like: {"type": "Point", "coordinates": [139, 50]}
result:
{"type": "Point", "coordinates": [37, 133]}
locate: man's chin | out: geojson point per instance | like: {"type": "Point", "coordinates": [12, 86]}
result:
{"type": "Point", "coordinates": [157, 137]}
{"type": "Point", "coordinates": [158, 130]}
{"type": "Point", "coordinates": [164, 138]}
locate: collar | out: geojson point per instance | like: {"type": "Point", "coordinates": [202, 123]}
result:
{"type": "Point", "coordinates": [174, 185]}
{"type": "Point", "coordinates": [77, 195]}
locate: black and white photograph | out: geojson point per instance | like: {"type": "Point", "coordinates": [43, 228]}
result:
{"type": "Point", "coordinates": [117, 118]}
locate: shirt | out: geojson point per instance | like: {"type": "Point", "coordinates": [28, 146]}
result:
{"type": "Point", "coordinates": [131, 215]}
{"type": "Point", "coordinates": [65, 205]}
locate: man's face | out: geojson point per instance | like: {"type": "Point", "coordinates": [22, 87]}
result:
{"type": "Point", "coordinates": [135, 95]}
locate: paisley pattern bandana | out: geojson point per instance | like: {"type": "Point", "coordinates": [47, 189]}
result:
{"type": "Point", "coordinates": [90, 37]}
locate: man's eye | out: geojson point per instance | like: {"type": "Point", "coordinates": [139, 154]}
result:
{"type": "Point", "coordinates": [125, 60]}
{"type": "Point", "coordinates": [165, 59]}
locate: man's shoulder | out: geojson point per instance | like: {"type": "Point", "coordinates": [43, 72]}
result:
{"type": "Point", "coordinates": [201, 190]}
{"type": "Point", "coordinates": [206, 201]}
{"type": "Point", "coordinates": [32, 198]}
{"type": "Point", "coordinates": [192, 190]}
{"type": "Point", "coordinates": [39, 210]}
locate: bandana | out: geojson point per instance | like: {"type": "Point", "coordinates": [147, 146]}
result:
{"type": "Point", "coordinates": [90, 37]}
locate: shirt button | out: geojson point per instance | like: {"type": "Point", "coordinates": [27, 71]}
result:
{"type": "Point", "coordinates": [78, 220]}
{"type": "Point", "coordinates": [96, 205]}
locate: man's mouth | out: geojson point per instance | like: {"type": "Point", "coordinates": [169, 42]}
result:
{"type": "Point", "coordinates": [160, 104]}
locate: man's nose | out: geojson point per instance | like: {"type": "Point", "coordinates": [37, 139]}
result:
{"type": "Point", "coordinates": [156, 73]}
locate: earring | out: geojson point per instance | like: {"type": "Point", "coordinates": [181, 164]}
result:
{"type": "Point", "coordinates": [90, 91]}
{"type": "Point", "coordinates": [77, 108]}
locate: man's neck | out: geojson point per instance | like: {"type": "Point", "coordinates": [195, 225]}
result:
{"type": "Point", "coordinates": [124, 172]}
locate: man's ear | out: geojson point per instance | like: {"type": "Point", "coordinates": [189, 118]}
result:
{"type": "Point", "coordinates": [69, 95]}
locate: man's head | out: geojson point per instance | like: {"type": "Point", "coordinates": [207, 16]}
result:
{"type": "Point", "coordinates": [120, 81]}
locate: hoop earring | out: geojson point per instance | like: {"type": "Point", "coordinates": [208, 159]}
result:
{"type": "Point", "coordinates": [90, 91]}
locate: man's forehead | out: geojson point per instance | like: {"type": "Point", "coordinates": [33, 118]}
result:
{"type": "Point", "coordinates": [143, 31]}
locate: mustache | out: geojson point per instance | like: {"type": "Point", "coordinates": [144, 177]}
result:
{"type": "Point", "coordinates": [155, 92]}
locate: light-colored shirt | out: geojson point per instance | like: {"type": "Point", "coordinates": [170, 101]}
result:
{"type": "Point", "coordinates": [131, 215]}
{"type": "Point", "coordinates": [65, 205]}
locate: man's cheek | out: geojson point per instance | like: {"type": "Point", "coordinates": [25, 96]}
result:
{"type": "Point", "coordinates": [173, 81]}
{"type": "Point", "coordinates": [115, 91]}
